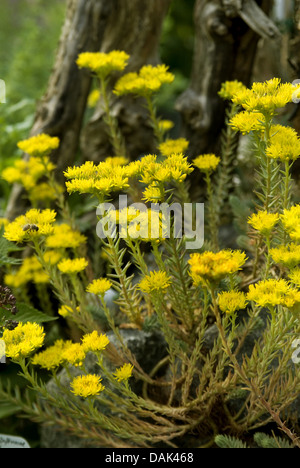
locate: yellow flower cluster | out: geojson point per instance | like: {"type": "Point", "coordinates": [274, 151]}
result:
{"type": "Point", "coordinates": [173, 168]}
{"type": "Point", "coordinates": [93, 342]}
{"type": "Point", "coordinates": [93, 98]}
{"type": "Point", "coordinates": [273, 292]}
{"type": "Point", "coordinates": [231, 301]}
{"type": "Point", "coordinates": [145, 226]}
{"type": "Point", "coordinates": [43, 192]}
{"type": "Point", "coordinates": [30, 270]}
{"type": "Point", "coordinates": [87, 386]}
{"type": "Point", "coordinates": [207, 162]}
{"type": "Point", "coordinates": [99, 286]}
{"type": "Point", "coordinates": [27, 173]}
{"type": "Point", "coordinates": [284, 144]}
{"type": "Point", "coordinates": [99, 179]}
{"type": "Point", "coordinates": [211, 267]}
{"type": "Point", "coordinates": [294, 276]}
{"type": "Point", "coordinates": [67, 352]}
{"type": "Point", "coordinates": [230, 88]}
{"type": "Point", "coordinates": [148, 81]}
{"type": "Point", "coordinates": [51, 358]}
{"type": "Point", "coordinates": [65, 311]}
{"type": "Point", "coordinates": [286, 255]}
{"type": "Point", "coordinates": [32, 225]}
{"type": "Point", "coordinates": [72, 266]}
{"type": "Point", "coordinates": [103, 63]}
{"type": "Point", "coordinates": [73, 354]}
{"type": "Point", "coordinates": [166, 125]}
{"type": "Point", "coordinates": [155, 281]}
{"type": "Point", "coordinates": [23, 340]}
{"type": "Point", "coordinates": [123, 373]}
{"type": "Point", "coordinates": [291, 222]}
{"type": "Point", "coordinates": [171, 147]}
{"type": "Point", "coordinates": [40, 145]}
{"type": "Point", "coordinates": [64, 237]}
{"type": "Point", "coordinates": [264, 222]}
{"type": "Point", "coordinates": [246, 122]}
{"type": "Point", "coordinates": [265, 97]}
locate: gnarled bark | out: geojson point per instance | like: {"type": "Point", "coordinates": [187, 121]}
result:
{"type": "Point", "coordinates": [227, 32]}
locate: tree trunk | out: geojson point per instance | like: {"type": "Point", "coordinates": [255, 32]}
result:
{"type": "Point", "coordinates": [136, 28]}
{"type": "Point", "coordinates": [227, 33]}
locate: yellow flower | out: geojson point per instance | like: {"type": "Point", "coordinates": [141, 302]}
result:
{"type": "Point", "coordinates": [51, 358]}
{"type": "Point", "coordinates": [99, 286]}
{"type": "Point", "coordinates": [74, 354]}
{"type": "Point", "coordinates": [145, 226]}
{"type": "Point", "coordinates": [39, 145]}
{"type": "Point", "coordinates": [292, 300]}
{"type": "Point", "coordinates": [170, 147]}
{"type": "Point", "coordinates": [294, 276]}
{"type": "Point", "coordinates": [3, 222]}
{"type": "Point", "coordinates": [65, 237]}
{"type": "Point", "coordinates": [31, 270]}
{"type": "Point", "coordinates": [291, 219]}
{"type": "Point", "coordinates": [87, 170]}
{"type": "Point", "coordinates": [93, 98]}
{"type": "Point", "coordinates": [287, 255]}
{"type": "Point", "coordinates": [65, 311]}
{"type": "Point", "coordinates": [264, 222]}
{"type": "Point", "coordinates": [284, 144]}
{"type": "Point", "coordinates": [265, 97]}
{"type": "Point", "coordinates": [23, 340]}
{"type": "Point", "coordinates": [272, 293]}
{"type": "Point", "coordinates": [27, 173]}
{"type": "Point", "coordinates": [207, 162]}
{"type": "Point", "coordinates": [295, 234]}
{"type": "Point", "coordinates": [43, 192]}
{"type": "Point", "coordinates": [230, 88]}
{"type": "Point", "coordinates": [166, 125]}
{"type": "Point", "coordinates": [246, 122]}
{"type": "Point", "coordinates": [87, 386]}
{"type": "Point", "coordinates": [103, 63]}
{"type": "Point", "coordinates": [108, 176]}
{"type": "Point", "coordinates": [212, 267]}
{"type": "Point", "coordinates": [124, 372]}
{"type": "Point", "coordinates": [153, 194]}
{"type": "Point", "coordinates": [94, 342]}
{"type": "Point", "coordinates": [52, 257]}
{"type": "Point", "coordinates": [291, 222]}
{"type": "Point", "coordinates": [148, 81]}
{"type": "Point", "coordinates": [32, 225]}
{"type": "Point", "coordinates": [155, 281]}
{"type": "Point", "coordinates": [117, 161]}
{"type": "Point", "coordinates": [231, 301]}
{"type": "Point", "coordinates": [74, 266]}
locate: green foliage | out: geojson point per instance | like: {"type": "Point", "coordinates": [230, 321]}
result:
{"type": "Point", "coordinates": [27, 313]}
{"type": "Point", "coordinates": [224, 441]}
{"type": "Point", "coordinates": [31, 34]}
{"type": "Point", "coordinates": [261, 440]}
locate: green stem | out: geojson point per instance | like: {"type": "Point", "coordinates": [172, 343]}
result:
{"type": "Point", "coordinates": [114, 132]}
{"type": "Point", "coordinates": [212, 218]}
{"type": "Point", "coordinates": [154, 120]}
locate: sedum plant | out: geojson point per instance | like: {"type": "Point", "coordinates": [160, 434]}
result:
{"type": "Point", "coordinates": [160, 284]}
